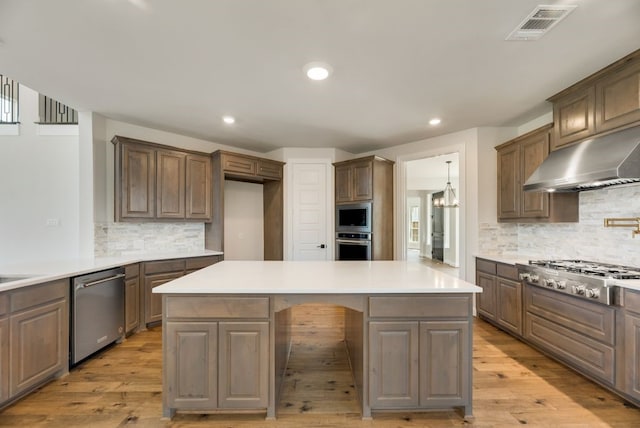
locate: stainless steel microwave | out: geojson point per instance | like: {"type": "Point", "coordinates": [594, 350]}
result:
{"type": "Point", "coordinates": [353, 217]}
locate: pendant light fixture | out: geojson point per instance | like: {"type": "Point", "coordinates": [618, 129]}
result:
{"type": "Point", "coordinates": [450, 198]}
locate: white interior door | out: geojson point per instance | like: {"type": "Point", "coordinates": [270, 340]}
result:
{"type": "Point", "coordinates": [309, 212]}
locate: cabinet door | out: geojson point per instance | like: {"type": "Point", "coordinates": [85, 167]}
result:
{"type": "Point", "coordinates": [445, 365]}
{"type": "Point", "coordinates": [244, 365]}
{"type": "Point", "coordinates": [486, 301]}
{"type": "Point", "coordinates": [574, 117]}
{"type": "Point", "coordinates": [198, 197]}
{"type": "Point", "coordinates": [393, 370]}
{"type": "Point", "coordinates": [4, 359]}
{"type": "Point", "coordinates": [618, 99]}
{"type": "Point", "coordinates": [344, 186]}
{"type": "Point", "coordinates": [533, 151]}
{"type": "Point", "coordinates": [362, 173]}
{"type": "Point", "coordinates": [191, 367]}
{"type": "Point", "coordinates": [238, 163]}
{"type": "Point", "coordinates": [131, 303]}
{"type": "Point", "coordinates": [137, 182]}
{"type": "Point", "coordinates": [269, 169]}
{"type": "Point", "coordinates": [39, 345]}
{"type": "Point", "coordinates": [509, 305]}
{"type": "Point", "coordinates": [153, 302]}
{"type": "Point", "coordinates": [170, 197]}
{"type": "Point", "coordinates": [509, 186]}
{"type": "Point", "coordinates": [632, 355]}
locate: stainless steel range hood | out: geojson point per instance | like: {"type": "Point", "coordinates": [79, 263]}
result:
{"type": "Point", "coordinates": [592, 164]}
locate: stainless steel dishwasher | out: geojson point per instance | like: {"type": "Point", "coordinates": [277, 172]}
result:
{"type": "Point", "coordinates": [97, 312]}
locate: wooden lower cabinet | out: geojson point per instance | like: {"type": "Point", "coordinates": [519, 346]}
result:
{"type": "Point", "coordinates": [501, 299]}
{"type": "Point", "coordinates": [632, 355]}
{"type": "Point", "coordinates": [4, 359]}
{"type": "Point", "coordinates": [394, 349]}
{"type": "Point", "coordinates": [509, 305]}
{"type": "Point", "coordinates": [131, 298]}
{"type": "Point", "coordinates": [153, 302]}
{"type": "Point", "coordinates": [192, 362]}
{"type": "Point", "coordinates": [243, 360]}
{"type": "Point", "coordinates": [487, 300]}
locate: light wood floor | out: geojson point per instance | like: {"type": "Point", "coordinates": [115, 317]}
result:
{"type": "Point", "coordinates": [513, 386]}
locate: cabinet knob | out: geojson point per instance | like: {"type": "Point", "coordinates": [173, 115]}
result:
{"type": "Point", "coordinates": [321, 246]}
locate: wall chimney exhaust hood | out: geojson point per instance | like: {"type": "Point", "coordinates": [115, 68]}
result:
{"type": "Point", "coordinates": [592, 164]}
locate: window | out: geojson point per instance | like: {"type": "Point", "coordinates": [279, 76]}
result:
{"type": "Point", "coordinates": [9, 91]}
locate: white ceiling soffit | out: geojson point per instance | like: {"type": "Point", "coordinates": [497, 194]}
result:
{"type": "Point", "coordinates": [540, 21]}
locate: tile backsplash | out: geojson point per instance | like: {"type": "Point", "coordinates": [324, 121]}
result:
{"type": "Point", "coordinates": [588, 239]}
{"type": "Point", "coordinates": [117, 239]}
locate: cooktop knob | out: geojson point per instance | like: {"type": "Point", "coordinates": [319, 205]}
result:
{"type": "Point", "coordinates": [578, 289]}
{"type": "Point", "coordinates": [593, 293]}
{"type": "Point", "coordinates": [526, 276]}
{"type": "Point", "coordinates": [535, 278]}
{"type": "Point", "coordinates": [561, 285]}
{"type": "Point", "coordinates": [551, 283]}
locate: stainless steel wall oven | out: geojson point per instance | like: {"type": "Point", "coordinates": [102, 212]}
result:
{"type": "Point", "coordinates": [353, 246]}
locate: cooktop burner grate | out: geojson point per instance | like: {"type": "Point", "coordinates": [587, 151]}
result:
{"type": "Point", "coordinates": [589, 268]}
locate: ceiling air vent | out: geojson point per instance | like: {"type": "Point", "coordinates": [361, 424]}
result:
{"type": "Point", "coordinates": [537, 23]}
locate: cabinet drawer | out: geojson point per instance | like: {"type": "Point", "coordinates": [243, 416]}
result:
{"type": "Point", "coordinates": [131, 271]}
{"type": "Point", "coordinates": [201, 262]}
{"type": "Point", "coordinates": [39, 294]}
{"type": "Point", "coordinates": [435, 306]}
{"type": "Point", "coordinates": [507, 271]}
{"type": "Point", "coordinates": [486, 266]}
{"type": "Point", "coordinates": [632, 301]}
{"type": "Point", "coordinates": [591, 319]}
{"type": "Point", "coordinates": [217, 307]}
{"type": "Point", "coordinates": [591, 357]}
{"type": "Point", "coordinates": [241, 164]}
{"type": "Point", "coordinates": [175, 265]}
{"type": "Point", "coordinates": [4, 303]}
{"type": "Point", "coordinates": [269, 169]}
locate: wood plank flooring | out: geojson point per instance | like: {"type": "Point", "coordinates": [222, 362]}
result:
{"type": "Point", "coordinates": [513, 386]}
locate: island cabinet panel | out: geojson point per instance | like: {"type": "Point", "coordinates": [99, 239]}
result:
{"type": "Point", "coordinates": [170, 197]}
{"type": "Point", "coordinates": [131, 297]}
{"type": "Point", "coordinates": [444, 364]}
{"type": "Point", "coordinates": [243, 365]}
{"type": "Point", "coordinates": [193, 364]}
{"type": "Point", "coordinates": [394, 366]}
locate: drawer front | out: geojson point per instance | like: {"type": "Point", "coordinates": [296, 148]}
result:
{"type": "Point", "coordinates": [4, 303]}
{"type": "Point", "coordinates": [175, 265]}
{"type": "Point", "coordinates": [591, 319]}
{"type": "Point", "coordinates": [233, 163]}
{"type": "Point", "coordinates": [507, 271]}
{"type": "Point", "coordinates": [436, 306]}
{"type": "Point", "coordinates": [269, 169]}
{"type": "Point", "coordinates": [486, 266]}
{"type": "Point", "coordinates": [39, 294]}
{"type": "Point", "coordinates": [131, 271]}
{"type": "Point", "coordinates": [217, 307]}
{"type": "Point", "coordinates": [589, 356]}
{"type": "Point", "coordinates": [201, 262]}
{"type": "Point", "coordinates": [632, 301]}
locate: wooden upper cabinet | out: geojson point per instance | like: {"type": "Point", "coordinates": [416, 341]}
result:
{"type": "Point", "coordinates": [269, 169]}
{"type": "Point", "coordinates": [155, 182]}
{"type": "Point", "coordinates": [198, 190]}
{"type": "Point", "coordinates": [362, 181]}
{"type": "Point", "coordinates": [517, 160]}
{"type": "Point", "coordinates": [574, 116]}
{"type": "Point", "coordinates": [618, 98]}
{"type": "Point", "coordinates": [135, 192]}
{"type": "Point", "coordinates": [344, 186]}
{"type": "Point", "coordinates": [602, 102]}
{"type": "Point", "coordinates": [354, 180]}
{"type": "Point", "coordinates": [237, 163]}
{"type": "Point", "coordinates": [249, 168]}
{"type": "Point", "coordinates": [170, 181]}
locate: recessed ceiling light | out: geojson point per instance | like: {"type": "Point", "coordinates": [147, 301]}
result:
{"type": "Point", "coordinates": [434, 121]}
{"type": "Point", "coordinates": [317, 70]}
{"type": "Point", "coordinates": [229, 120]}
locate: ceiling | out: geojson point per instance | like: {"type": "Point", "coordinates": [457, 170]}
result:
{"type": "Point", "coordinates": [179, 66]}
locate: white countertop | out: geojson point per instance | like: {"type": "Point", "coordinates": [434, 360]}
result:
{"type": "Point", "coordinates": [316, 277]}
{"type": "Point", "coordinates": [50, 270]}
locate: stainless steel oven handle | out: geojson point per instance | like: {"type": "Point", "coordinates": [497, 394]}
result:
{"type": "Point", "coordinates": [353, 241]}
{"type": "Point", "coordinates": [99, 281]}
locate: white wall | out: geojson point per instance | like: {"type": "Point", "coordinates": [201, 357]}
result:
{"type": "Point", "coordinates": [243, 221]}
{"type": "Point", "coordinates": [38, 181]}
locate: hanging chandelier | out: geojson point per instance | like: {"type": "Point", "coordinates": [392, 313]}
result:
{"type": "Point", "coordinates": [450, 198]}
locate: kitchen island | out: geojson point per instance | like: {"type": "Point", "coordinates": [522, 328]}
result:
{"type": "Point", "coordinates": [226, 333]}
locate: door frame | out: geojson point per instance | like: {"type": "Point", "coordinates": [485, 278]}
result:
{"type": "Point", "coordinates": [401, 200]}
{"type": "Point", "coordinates": [288, 204]}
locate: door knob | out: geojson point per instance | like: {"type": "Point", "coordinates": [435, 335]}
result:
{"type": "Point", "coordinates": [321, 246]}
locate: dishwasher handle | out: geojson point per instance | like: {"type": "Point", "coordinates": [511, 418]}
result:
{"type": "Point", "coordinates": [99, 281]}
